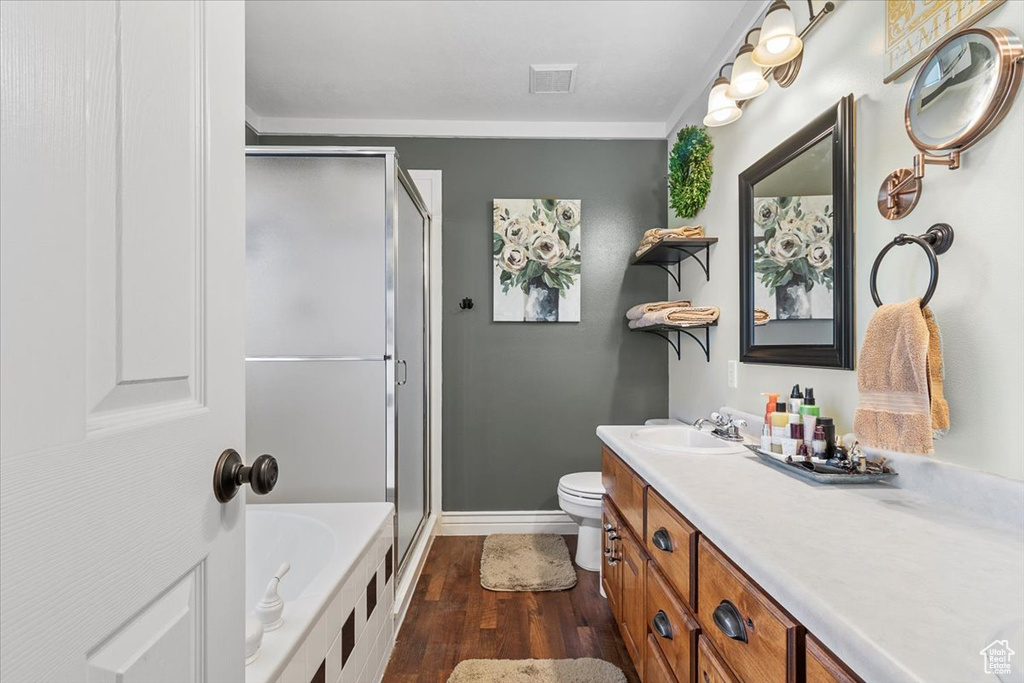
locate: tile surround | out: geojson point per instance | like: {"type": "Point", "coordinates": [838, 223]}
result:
{"type": "Point", "coordinates": [352, 640]}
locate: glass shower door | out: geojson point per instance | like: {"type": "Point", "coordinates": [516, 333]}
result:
{"type": "Point", "coordinates": [410, 370]}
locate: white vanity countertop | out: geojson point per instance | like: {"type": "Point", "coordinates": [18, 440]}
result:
{"type": "Point", "coordinates": [900, 587]}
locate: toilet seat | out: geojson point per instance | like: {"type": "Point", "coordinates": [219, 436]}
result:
{"type": "Point", "coordinates": [584, 485]}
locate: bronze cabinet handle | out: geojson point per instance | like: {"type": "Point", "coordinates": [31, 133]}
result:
{"type": "Point", "coordinates": [662, 541]}
{"type": "Point", "coordinates": [729, 621]}
{"type": "Point", "coordinates": [661, 625]}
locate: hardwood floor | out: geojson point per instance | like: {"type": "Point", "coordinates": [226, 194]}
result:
{"type": "Point", "coordinates": [452, 618]}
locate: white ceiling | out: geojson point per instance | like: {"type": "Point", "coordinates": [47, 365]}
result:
{"type": "Point", "coordinates": [462, 68]}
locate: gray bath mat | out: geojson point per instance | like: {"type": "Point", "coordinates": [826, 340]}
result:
{"type": "Point", "coordinates": [584, 670]}
{"type": "Point", "coordinates": [526, 562]}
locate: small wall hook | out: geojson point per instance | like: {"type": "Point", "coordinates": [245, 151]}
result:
{"type": "Point", "coordinates": [466, 303]}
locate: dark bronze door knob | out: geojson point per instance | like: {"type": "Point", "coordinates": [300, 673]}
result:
{"type": "Point", "coordinates": [230, 473]}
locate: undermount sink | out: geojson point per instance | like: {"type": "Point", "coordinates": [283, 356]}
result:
{"type": "Point", "coordinates": [684, 439]}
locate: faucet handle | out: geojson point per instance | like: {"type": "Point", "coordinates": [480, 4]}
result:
{"type": "Point", "coordinates": [721, 419]}
{"type": "Point", "coordinates": [738, 423]}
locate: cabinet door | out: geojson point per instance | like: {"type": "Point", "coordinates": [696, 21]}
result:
{"type": "Point", "coordinates": [611, 576]}
{"type": "Point", "coordinates": [633, 624]}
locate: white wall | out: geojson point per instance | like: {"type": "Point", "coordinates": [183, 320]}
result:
{"type": "Point", "coordinates": [978, 303]}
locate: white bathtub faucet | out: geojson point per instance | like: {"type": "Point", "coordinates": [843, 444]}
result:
{"type": "Point", "coordinates": [269, 608]}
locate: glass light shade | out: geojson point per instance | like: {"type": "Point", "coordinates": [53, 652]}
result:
{"type": "Point", "coordinates": [722, 109]}
{"type": "Point", "coordinates": [778, 43]}
{"type": "Point", "coordinates": [747, 80]}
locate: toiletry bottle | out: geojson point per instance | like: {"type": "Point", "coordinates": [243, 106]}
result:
{"type": "Point", "coordinates": [818, 445]}
{"type": "Point", "coordinates": [829, 427]}
{"type": "Point", "coordinates": [796, 399]}
{"type": "Point", "coordinates": [810, 413]}
{"type": "Point", "coordinates": [773, 399]}
{"type": "Point", "coordinates": [780, 427]}
{"type": "Point", "coordinates": [796, 431]}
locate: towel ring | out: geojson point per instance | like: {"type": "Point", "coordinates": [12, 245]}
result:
{"type": "Point", "coordinates": [936, 241]}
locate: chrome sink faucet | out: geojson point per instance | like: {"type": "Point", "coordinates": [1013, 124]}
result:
{"type": "Point", "coordinates": [724, 426]}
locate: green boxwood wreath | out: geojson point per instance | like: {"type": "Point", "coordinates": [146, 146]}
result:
{"type": "Point", "coordinates": [689, 171]}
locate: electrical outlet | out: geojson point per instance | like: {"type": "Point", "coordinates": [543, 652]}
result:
{"type": "Point", "coordinates": [734, 374]}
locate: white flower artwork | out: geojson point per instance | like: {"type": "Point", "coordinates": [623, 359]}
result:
{"type": "Point", "coordinates": [536, 260]}
{"type": "Point", "coordinates": [793, 257]}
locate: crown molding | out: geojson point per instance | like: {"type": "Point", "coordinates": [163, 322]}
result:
{"type": "Point", "coordinates": [570, 130]}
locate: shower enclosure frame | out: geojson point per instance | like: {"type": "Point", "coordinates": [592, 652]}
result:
{"type": "Point", "coordinates": [394, 174]}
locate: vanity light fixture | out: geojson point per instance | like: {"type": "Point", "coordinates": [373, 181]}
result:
{"type": "Point", "coordinates": [779, 53]}
{"type": "Point", "coordinates": [722, 109]}
{"type": "Point", "coordinates": [747, 80]}
{"type": "Point", "coordinates": [778, 42]}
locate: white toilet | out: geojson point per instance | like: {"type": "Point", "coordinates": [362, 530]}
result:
{"type": "Point", "coordinates": [579, 494]}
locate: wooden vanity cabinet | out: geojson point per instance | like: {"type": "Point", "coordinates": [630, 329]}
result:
{"type": "Point", "coordinates": [656, 561]}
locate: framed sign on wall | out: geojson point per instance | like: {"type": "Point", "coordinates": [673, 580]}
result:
{"type": "Point", "coordinates": [914, 27]}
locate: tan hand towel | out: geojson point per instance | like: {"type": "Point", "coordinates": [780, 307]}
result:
{"type": "Point", "coordinates": [678, 317]}
{"type": "Point", "coordinates": [694, 315]}
{"type": "Point", "coordinates": [897, 411]}
{"type": "Point", "coordinates": [939, 407]}
{"type": "Point", "coordinates": [638, 312]}
{"type": "Point", "coordinates": [688, 231]}
{"type": "Point", "coordinates": [657, 235]}
{"type": "Point", "coordinates": [761, 316]}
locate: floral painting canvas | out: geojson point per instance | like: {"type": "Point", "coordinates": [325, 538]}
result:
{"type": "Point", "coordinates": [793, 257]}
{"type": "Point", "coordinates": [537, 260]}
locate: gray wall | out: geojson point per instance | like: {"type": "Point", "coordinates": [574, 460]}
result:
{"type": "Point", "coordinates": [522, 401]}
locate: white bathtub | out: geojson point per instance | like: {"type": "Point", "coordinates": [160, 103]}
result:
{"type": "Point", "coordinates": [337, 552]}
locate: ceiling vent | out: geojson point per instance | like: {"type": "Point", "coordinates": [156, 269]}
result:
{"type": "Point", "coordinates": [547, 79]}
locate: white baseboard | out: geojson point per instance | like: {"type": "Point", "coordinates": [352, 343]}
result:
{"type": "Point", "coordinates": [411, 574]}
{"type": "Point", "coordinates": [506, 522]}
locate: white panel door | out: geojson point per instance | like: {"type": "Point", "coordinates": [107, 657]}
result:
{"type": "Point", "coordinates": [121, 340]}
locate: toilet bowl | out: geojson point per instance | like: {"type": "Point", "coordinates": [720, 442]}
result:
{"type": "Point", "coordinates": [579, 495]}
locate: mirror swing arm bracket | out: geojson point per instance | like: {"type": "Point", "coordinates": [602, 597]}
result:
{"type": "Point", "coordinates": [901, 189]}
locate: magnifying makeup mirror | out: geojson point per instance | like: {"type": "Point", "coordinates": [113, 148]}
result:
{"type": "Point", "coordinates": [963, 90]}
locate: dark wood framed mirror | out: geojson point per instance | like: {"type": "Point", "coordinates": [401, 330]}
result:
{"type": "Point", "coordinates": [796, 247]}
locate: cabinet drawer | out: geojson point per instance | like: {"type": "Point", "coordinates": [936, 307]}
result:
{"type": "Point", "coordinates": [674, 629]}
{"type": "Point", "coordinates": [627, 490]}
{"type": "Point", "coordinates": [711, 669]}
{"type": "Point", "coordinates": [764, 643]}
{"type": "Point", "coordinates": [671, 543]}
{"type": "Point", "coordinates": [825, 667]}
{"type": "Point", "coordinates": [656, 668]}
